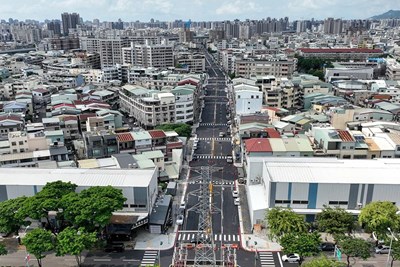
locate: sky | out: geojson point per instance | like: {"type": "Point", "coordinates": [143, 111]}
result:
{"type": "Point", "coordinates": [196, 10]}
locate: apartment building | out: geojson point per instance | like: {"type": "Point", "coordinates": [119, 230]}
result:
{"type": "Point", "coordinates": [360, 54]}
{"type": "Point", "coordinates": [193, 62]}
{"type": "Point", "coordinates": [262, 67]}
{"type": "Point", "coordinates": [149, 108]}
{"type": "Point", "coordinates": [157, 56]}
{"type": "Point", "coordinates": [392, 70]}
{"type": "Point", "coordinates": [100, 144]}
{"type": "Point", "coordinates": [110, 50]}
{"type": "Point", "coordinates": [184, 103]}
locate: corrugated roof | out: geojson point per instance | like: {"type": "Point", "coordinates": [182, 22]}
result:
{"type": "Point", "coordinates": [258, 145]}
{"type": "Point", "coordinates": [277, 145]}
{"type": "Point", "coordinates": [340, 171]}
{"type": "Point", "coordinates": [157, 133]}
{"type": "Point", "coordinates": [125, 137]}
{"type": "Point", "coordinates": [345, 136]}
{"type": "Point", "coordinates": [80, 177]}
{"type": "Point", "coordinates": [272, 133]}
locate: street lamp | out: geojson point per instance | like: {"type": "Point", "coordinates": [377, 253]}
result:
{"type": "Point", "coordinates": [159, 254]}
{"type": "Point", "coordinates": [390, 247]}
{"type": "Point", "coordinates": [27, 256]}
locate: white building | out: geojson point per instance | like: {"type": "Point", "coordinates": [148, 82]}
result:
{"type": "Point", "coordinates": [138, 186]}
{"type": "Point", "coordinates": [248, 99]}
{"type": "Point", "coordinates": [307, 184]}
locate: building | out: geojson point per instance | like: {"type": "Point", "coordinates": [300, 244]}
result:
{"type": "Point", "coordinates": [359, 54]}
{"type": "Point", "coordinates": [254, 67]}
{"type": "Point", "coordinates": [139, 187]}
{"type": "Point", "coordinates": [248, 99]}
{"type": "Point", "coordinates": [308, 185]}
{"type": "Point", "coordinates": [148, 108]}
{"type": "Point", "coordinates": [146, 55]}
{"type": "Point", "coordinates": [100, 144]}
{"type": "Point", "coordinates": [193, 62]}
{"type": "Point", "coordinates": [69, 21]}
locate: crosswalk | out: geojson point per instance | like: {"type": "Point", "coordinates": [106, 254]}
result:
{"type": "Point", "coordinates": [149, 258]}
{"type": "Point", "coordinates": [188, 237]}
{"type": "Point", "coordinates": [214, 182]}
{"type": "Point", "coordinates": [213, 124]}
{"type": "Point", "coordinates": [210, 157]}
{"type": "Point", "coordinates": [218, 139]}
{"type": "Point", "coordinates": [266, 258]}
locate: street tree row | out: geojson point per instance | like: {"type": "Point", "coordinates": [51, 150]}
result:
{"type": "Point", "coordinates": [80, 217]}
{"type": "Point", "coordinates": [297, 236]}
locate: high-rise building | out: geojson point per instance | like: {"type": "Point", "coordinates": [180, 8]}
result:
{"type": "Point", "coordinates": [54, 27]}
{"type": "Point", "coordinates": [69, 21]}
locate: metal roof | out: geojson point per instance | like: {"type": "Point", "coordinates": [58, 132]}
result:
{"type": "Point", "coordinates": [80, 177]}
{"type": "Point", "coordinates": [316, 170]}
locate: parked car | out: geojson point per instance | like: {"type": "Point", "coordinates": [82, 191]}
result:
{"type": "Point", "coordinates": [236, 201]}
{"type": "Point", "coordinates": [293, 257]}
{"type": "Point", "coordinates": [382, 249]}
{"type": "Point", "coordinates": [182, 206]}
{"type": "Point", "coordinates": [221, 134]}
{"type": "Point", "coordinates": [179, 219]}
{"type": "Point", "coordinates": [229, 159]}
{"type": "Point", "coordinates": [327, 246]}
{"type": "Point", "coordinates": [235, 193]}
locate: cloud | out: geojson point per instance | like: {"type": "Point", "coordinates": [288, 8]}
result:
{"type": "Point", "coordinates": [235, 8]}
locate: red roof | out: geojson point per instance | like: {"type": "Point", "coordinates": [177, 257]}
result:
{"type": "Point", "coordinates": [386, 97]}
{"type": "Point", "coordinates": [345, 136]}
{"type": "Point", "coordinates": [187, 81]}
{"type": "Point", "coordinates": [63, 105]}
{"type": "Point", "coordinates": [339, 50]}
{"type": "Point", "coordinates": [272, 133]}
{"type": "Point", "coordinates": [258, 145]}
{"type": "Point", "coordinates": [125, 137]}
{"type": "Point", "coordinates": [70, 118]}
{"type": "Point", "coordinates": [84, 117]}
{"type": "Point", "coordinates": [157, 134]}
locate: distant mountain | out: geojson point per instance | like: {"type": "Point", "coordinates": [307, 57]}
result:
{"type": "Point", "coordinates": [391, 14]}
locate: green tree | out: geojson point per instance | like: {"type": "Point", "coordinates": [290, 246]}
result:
{"type": "Point", "coordinates": [232, 75]}
{"type": "Point", "coordinates": [282, 221]}
{"type": "Point", "coordinates": [181, 129]}
{"type": "Point", "coordinates": [48, 199]}
{"type": "Point", "coordinates": [92, 208]}
{"type": "Point", "coordinates": [395, 251]}
{"type": "Point", "coordinates": [378, 216]}
{"type": "Point", "coordinates": [12, 218]}
{"type": "Point", "coordinates": [73, 242]}
{"type": "Point", "coordinates": [323, 261]}
{"type": "Point", "coordinates": [38, 242]}
{"type": "Point", "coordinates": [335, 221]}
{"type": "Point", "coordinates": [304, 244]}
{"type": "Point", "coordinates": [3, 249]}
{"type": "Point", "coordinates": [354, 248]}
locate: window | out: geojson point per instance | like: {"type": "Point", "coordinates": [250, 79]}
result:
{"type": "Point", "coordinates": [338, 202]}
{"type": "Point", "coordinates": [13, 143]}
{"type": "Point", "coordinates": [351, 147]}
{"type": "Point", "coordinates": [20, 143]}
{"type": "Point", "coordinates": [257, 96]}
{"type": "Point", "coordinates": [300, 202]}
{"type": "Point", "coordinates": [282, 201]}
{"type": "Point", "coordinates": [252, 96]}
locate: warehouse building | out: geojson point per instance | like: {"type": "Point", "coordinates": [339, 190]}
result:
{"type": "Point", "coordinates": [307, 184]}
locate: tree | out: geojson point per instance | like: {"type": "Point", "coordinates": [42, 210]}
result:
{"type": "Point", "coordinates": [304, 244]}
{"type": "Point", "coordinates": [378, 216]}
{"type": "Point", "coordinates": [335, 221]}
{"type": "Point", "coordinates": [395, 251]}
{"type": "Point", "coordinates": [92, 208]}
{"type": "Point", "coordinates": [355, 248]}
{"type": "Point", "coordinates": [38, 242]}
{"type": "Point", "coordinates": [283, 221]}
{"type": "Point", "coordinates": [73, 242]}
{"type": "Point", "coordinates": [12, 218]}
{"type": "Point", "coordinates": [181, 129]}
{"type": "Point", "coordinates": [3, 249]}
{"type": "Point", "coordinates": [48, 199]}
{"type": "Point", "coordinates": [323, 261]}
